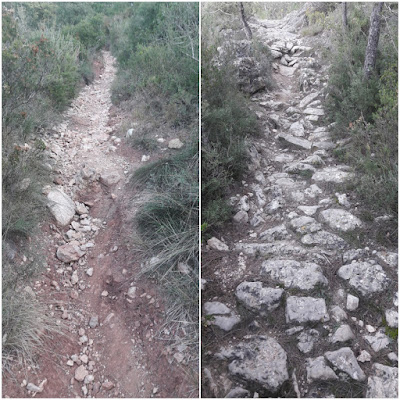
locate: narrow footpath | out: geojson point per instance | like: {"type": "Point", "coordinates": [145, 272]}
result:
{"type": "Point", "coordinates": [108, 317]}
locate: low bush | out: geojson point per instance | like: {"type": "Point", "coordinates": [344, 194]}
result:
{"type": "Point", "coordinates": [226, 124]}
{"type": "Point", "coordinates": [366, 111]}
{"type": "Point", "coordinates": [157, 50]}
{"type": "Point", "coordinates": [167, 226]}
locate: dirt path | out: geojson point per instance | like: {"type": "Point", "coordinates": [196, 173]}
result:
{"type": "Point", "coordinates": [108, 347]}
{"type": "Point", "coordinates": [292, 306]}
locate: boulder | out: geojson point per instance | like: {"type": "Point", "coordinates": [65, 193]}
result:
{"type": "Point", "coordinates": [340, 219]}
{"type": "Point", "coordinates": [294, 274]}
{"type": "Point", "coordinates": [257, 298]}
{"type": "Point", "coordinates": [61, 206]}
{"type": "Point", "coordinates": [383, 382]}
{"type": "Point", "coordinates": [69, 252]}
{"type": "Point", "coordinates": [366, 277]}
{"type": "Point", "coordinates": [260, 361]}
{"type": "Point", "coordinates": [345, 360]}
{"type": "Point", "coordinates": [317, 370]}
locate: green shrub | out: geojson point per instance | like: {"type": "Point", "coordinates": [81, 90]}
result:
{"type": "Point", "coordinates": [168, 230]}
{"type": "Point", "coordinates": [366, 111]}
{"type": "Point", "coordinates": [226, 123]}
{"type": "Point", "coordinates": [157, 59]}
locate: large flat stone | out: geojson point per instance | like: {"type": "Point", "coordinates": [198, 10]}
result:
{"type": "Point", "coordinates": [294, 274]}
{"type": "Point", "coordinates": [292, 141]}
{"type": "Point", "coordinates": [365, 276]}
{"type": "Point", "coordinates": [340, 219]}
{"type": "Point", "coordinates": [308, 99]}
{"type": "Point", "coordinates": [324, 239]}
{"type": "Point", "coordinates": [305, 309]}
{"type": "Point", "coordinates": [257, 298]}
{"type": "Point", "coordinates": [260, 361]}
{"type": "Point", "coordinates": [332, 174]}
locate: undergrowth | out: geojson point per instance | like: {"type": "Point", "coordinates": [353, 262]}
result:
{"type": "Point", "coordinates": [367, 113]}
{"type": "Point", "coordinates": [168, 230]}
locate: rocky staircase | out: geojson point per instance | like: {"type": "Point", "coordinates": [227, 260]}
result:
{"type": "Point", "coordinates": [304, 311]}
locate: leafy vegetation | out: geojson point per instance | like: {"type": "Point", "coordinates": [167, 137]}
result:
{"type": "Point", "coordinates": [156, 45]}
{"type": "Point", "coordinates": [366, 111]}
{"type": "Point", "coordinates": [226, 119]}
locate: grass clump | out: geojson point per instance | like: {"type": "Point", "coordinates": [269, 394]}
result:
{"type": "Point", "coordinates": [168, 230]}
{"type": "Point", "coordinates": [25, 323]}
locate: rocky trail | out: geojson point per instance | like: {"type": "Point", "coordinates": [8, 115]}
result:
{"type": "Point", "coordinates": [108, 318]}
{"type": "Point", "coordinates": [292, 306]}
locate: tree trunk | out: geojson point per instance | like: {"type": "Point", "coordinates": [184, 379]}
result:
{"type": "Point", "coordinates": [245, 24]}
{"type": "Point", "coordinates": [373, 39]}
{"type": "Point", "coordinates": [344, 16]}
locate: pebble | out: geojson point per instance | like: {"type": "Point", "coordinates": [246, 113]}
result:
{"type": "Point", "coordinates": [108, 385]}
{"type": "Point", "coordinates": [352, 302]}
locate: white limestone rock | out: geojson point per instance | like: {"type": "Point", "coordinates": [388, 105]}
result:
{"type": "Point", "coordinates": [217, 244]}
{"type": "Point", "coordinates": [69, 252]}
{"type": "Point", "coordinates": [222, 316]}
{"type": "Point", "coordinates": [339, 219]}
{"type": "Point", "coordinates": [318, 370]}
{"type": "Point", "coordinates": [378, 342]}
{"type": "Point", "coordinates": [305, 309]}
{"type": "Point", "coordinates": [345, 360]}
{"type": "Point", "coordinates": [324, 239]}
{"type": "Point", "coordinates": [294, 274]}
{"type": "Point", "coordinates": [259, 361]}
{"type": "Point", "coordinates": [383, 383]}
{"type": "Point", "coordinates": [257, 298]}
{"type": "Point", "coordinates": [338, 314]}
{"type": "Point", "coordinates": [308, 210]}
{"type": "Point", "coordinates": [367, 277]}
{"type": "Point", "coordinates": [293, 141]}
{"type": "Point", "coordinates": [342, 334]}
{"type": "Point", "coordinates": [332, 174]}
{"type": "Point", "coordinates": [352, 302]}
{"type": "Point", "coordinates": [392, 318]}
{"type": "Point", "coordinates": [278, 232]}
{"type": "Point", "coordinates": [304, 225]}
{"type": "Point", "coordinates": [61, 206]}
{"type": "Point", "coordinates": [306, 340]}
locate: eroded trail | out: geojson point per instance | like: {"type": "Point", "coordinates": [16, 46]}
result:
{"type": "Point", "coordinates": [294, 308]}
{"type": "Point", "coordinates": [108, 317]}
